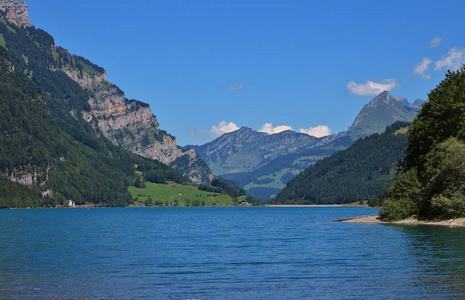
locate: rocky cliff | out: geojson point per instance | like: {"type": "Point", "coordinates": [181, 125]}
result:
{"type": "Point", "coordinates": [131, 124]}
{"type": "Point", "coordinates": [16, 12]}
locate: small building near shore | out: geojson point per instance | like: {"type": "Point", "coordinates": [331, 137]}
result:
{"type": "Point", "coordinates": [70, 203]}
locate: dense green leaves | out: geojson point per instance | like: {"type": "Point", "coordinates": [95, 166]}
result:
{"type": "Point", "coordinates": [442, 117]}
{"type": "Point", "coordinates": [404, 195]}
{"type": "Point", "coordinates": [436, 155]}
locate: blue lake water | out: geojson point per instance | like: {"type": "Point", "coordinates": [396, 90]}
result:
{"type": "Point", "coordinates": [224, 253]}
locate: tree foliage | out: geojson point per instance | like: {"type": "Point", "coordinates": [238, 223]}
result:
{"type": "Point", "coordinates": [436, 155]}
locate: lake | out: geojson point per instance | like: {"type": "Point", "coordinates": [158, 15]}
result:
{"type": "Point", "coordinates": [224, 253]}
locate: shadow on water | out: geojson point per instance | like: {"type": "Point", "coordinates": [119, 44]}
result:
{"type": "Point", "coordinates": [439, 256]}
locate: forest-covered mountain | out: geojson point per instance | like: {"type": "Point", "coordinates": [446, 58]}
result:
{"type": "Point", "coordinates": [263, 164]}
{"type": "Point", "coordinates": [48, 156]}
{"type": "Point", "coordinates": [62, 124]}
{"type": "Point", "coordinates": [358, 173]}
{"type": "Point", "coordinates": [126, 123]}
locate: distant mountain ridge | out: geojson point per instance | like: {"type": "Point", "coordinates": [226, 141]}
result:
{"type": "Point", "coordinates": [263, 164]}
{"type": "Point", "coordinates": [246, 150]}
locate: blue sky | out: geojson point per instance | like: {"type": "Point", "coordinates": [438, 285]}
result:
{"type": "Point", "coordinates": [207, 67]}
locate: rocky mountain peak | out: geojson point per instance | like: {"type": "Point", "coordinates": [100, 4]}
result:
{"type": "Point", "coordinates": [16, 12]}
{"type": "Point", "coordinates": [383, 98]}
{"type": "Point", "coordinates": [382, 111]}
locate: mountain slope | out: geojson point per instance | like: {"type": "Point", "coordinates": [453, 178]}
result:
{"type": "Point", "coordinates": [382, 111]}
{"type": "Point", "coordinates": [356, 174]}
{"type": "Point", "coordinates": [42, 165]}
{"type": "Point", "coordinates": [126, 123]}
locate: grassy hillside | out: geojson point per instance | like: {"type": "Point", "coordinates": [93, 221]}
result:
{"type": "Point", "coordinates": [185, 195]}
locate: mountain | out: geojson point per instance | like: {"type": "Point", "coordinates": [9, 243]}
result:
{"type": "Point", "coordinates": [65, 131]}
{"type": "Point", "coordinates": [358, 173]}
{"type": "Point", "coordinates": [47, 157]}
{"type": "Point", "coordinates": [246, 150]}
{"type": "Point", "coordinates": [126, 123]}
{"type": "Point", "coordinates": [382, 111]}
{"type": "Point", "coordinates": [263, 164]}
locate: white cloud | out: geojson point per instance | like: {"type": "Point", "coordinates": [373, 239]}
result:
{"type": "Point", "coordinates": [453, 61]}
{"type": "Point", "coordinates": [222, 128]}
{"type": "Point", "coordinates": [319, 131]}
{"type": "Point", "coordinates": [268, 128]}
{"type": "Point", "coordinates": [422, 67]}
{"type": "Point", "coordinates": [371, 88]}
{"type": "Point", "coordinates": [435, 42]}
{"type": "Point", "coordinates": [236, 87]}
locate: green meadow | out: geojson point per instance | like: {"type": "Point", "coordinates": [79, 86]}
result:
{"type": "Point", "coordinates": [184, 195]}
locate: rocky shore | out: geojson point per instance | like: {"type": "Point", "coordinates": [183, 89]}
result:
{"type": "Point", "coordinates": [374, 219]}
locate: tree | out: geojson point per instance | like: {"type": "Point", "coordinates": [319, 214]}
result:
{"type": "Point", "coordinates": [138, 183]}
{"type": "Point", "coordinates": [155, 176]}
{"type": "Point", "coordinates": [403, 197]}
{"type": "Point", "coordinates": [432, 180]}
{"type": "Point", "coordinates": [445, 187]}
{"type": "Point", "coordinates": [442, 117]}
{"type": "Point", "coordinates": [149, 201]}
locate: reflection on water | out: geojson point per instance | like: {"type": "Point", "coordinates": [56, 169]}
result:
{"type": "Point", "coordinates": [224, 253]}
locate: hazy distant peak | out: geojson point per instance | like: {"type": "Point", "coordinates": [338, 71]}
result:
{"type": "Point", "coordinates": [383, 98]}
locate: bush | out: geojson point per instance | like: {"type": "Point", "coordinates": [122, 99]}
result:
{"type": "Point", "coordinates": [398, 209]}
{"type": "Point", "coordinates": [449, 207]}
{"type": "Point", "coordinates": [149, 201]}
{"type": "Point", "coordinates": [403, 199]}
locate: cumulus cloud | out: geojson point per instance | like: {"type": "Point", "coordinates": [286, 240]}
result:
{"type": "Point", "coordinates": [371, 88]}
{"type": "Point", "coordinates": [319, 131]}
{"type": "Point", "coordinates": [435, 42]}
{"type": "Point", "coordinates": [236, 87]}
{"type": "Point", "coordinates": [222, 128]}
{"type": "Point", "coordinates": [422, 67]}
{"type": "Point", "coordinates": [268, 128]}
{"type": "Point", "coordinates": [453, 60]}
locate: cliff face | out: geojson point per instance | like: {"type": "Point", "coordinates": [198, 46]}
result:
{"type": "Point", "coordinates": [15, 12]}
{"type": "Point", "coordinates": [131, 124]}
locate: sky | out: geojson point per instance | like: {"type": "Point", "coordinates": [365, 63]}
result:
{"type": "Point", "coordinates": [210, 67]}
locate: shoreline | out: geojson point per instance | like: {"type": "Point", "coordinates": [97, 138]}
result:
{"type": "Point", "coordinates": [373, 219]}
{"type": "Point", "coordinates": [307, 205]}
